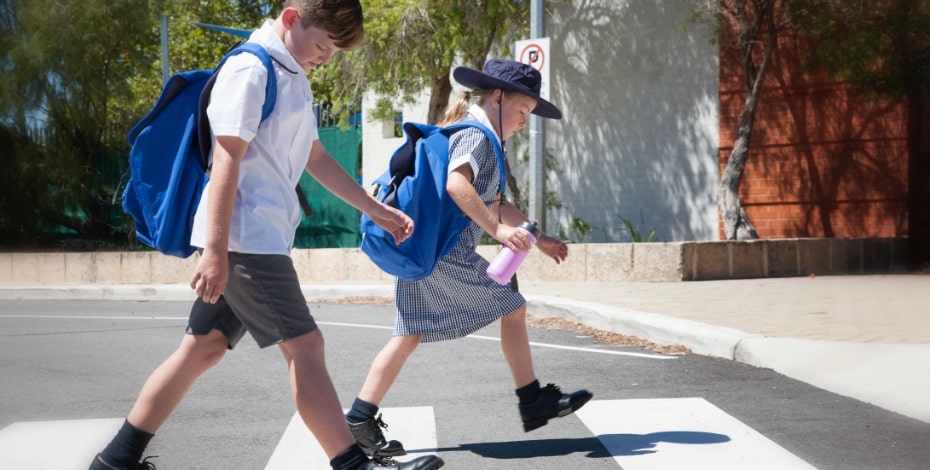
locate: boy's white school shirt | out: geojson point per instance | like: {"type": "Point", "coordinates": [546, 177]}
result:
{"type": "Point", "coordinates": [266, 212]}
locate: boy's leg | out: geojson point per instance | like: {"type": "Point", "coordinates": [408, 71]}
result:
{"type": "Point", "coordinates": [160, 395]}
{"type": "Point", "coordinates": [314, 393]}
{"type": "Point", "coordinates": [363, 419]}
{"type": "Point", "coordinates": [537, 405]}
{"type": "Point", "coordinates": [170, 382]}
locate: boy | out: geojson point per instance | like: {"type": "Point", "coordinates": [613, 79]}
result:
{"type": "Point", "coordinates": [245, 225]}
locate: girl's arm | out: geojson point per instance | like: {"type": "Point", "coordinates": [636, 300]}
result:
{"type": "Point", "coordinates": [463, 193]}
{"type": "Point", "coordinates": [552, 247]}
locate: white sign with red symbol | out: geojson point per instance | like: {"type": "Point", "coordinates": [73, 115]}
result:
{"type": "Point", "coordinates": [535, 52]}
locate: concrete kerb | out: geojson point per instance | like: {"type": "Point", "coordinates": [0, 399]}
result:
{"type": "Point", "coordinates": [700, 338]}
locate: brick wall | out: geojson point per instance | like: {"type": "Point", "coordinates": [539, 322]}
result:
{"type": "Point", "coordinates": [825, 161]}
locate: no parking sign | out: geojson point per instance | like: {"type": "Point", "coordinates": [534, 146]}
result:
{"type": "Point", "coordinates": [535, 52]}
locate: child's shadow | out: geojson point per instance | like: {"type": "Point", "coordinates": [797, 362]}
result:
{"type": "Point", "coordinates": [605, 445]}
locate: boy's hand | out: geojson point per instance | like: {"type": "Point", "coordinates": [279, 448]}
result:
{"type": "Point", "coordinates": [210, 275]}
{"type": "Point", "coordinates": [395, 222]}
{"type": "Point", "coordinates": [553, 248]}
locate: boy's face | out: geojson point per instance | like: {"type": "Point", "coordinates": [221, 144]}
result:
{"type": "Point", "coordinates": [311, 47]}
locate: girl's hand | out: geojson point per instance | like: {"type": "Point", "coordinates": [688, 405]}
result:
{"type": "Point", "coordinates": [553, 248]}
{"type": "Point", "coordinates": [513, 238]}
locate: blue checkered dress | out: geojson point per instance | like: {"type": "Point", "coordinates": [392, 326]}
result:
{"type": "Point", "coordinates": [458, 298]}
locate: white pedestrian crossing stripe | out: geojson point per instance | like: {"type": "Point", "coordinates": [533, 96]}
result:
{"type": "Point", "coordinates": [655, 434]}
{"type": "Point", "coordinates": [681, 433]}
{"type": "Point", "coordinates": [415, 427]}
{"type": "Point", "coordinates": [24, 446]}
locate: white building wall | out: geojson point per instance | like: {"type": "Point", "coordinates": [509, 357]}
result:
{"type": "Point", "coordinates": [640, 128]}
{"type": "Point", "coordinates": [376, 148]}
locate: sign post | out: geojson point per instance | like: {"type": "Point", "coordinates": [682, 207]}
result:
{"type": "Point", "coordinates": [535, 52]}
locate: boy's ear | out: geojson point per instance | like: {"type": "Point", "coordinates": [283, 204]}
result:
{"type": "Point", "coordinates": [288, 16]}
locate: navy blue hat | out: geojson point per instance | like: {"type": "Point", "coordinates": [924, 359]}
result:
{"type": "Point", "coordinates": [508, 75]}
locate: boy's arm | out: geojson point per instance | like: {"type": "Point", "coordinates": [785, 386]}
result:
{"type": "Point", "coordinates": [334, 178]}
{"type": "Point", "coordinates": [212, 271]}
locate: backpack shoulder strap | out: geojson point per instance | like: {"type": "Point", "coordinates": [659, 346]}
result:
{"type": "Point", "coordinates": [271, 93]}
{"type": "Point", "coordinates": [271, 85]}
{"type": "Point", "coordinates": [495, 144]}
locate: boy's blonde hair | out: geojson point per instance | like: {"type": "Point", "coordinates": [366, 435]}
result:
{"type": "Point", "coordinates": [342, 19]}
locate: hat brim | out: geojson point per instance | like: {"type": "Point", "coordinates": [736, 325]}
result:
{"type": "Point", "coordinates": [476, 79]}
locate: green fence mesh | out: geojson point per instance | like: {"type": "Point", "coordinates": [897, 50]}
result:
{"type": "Point", "coordinates": [333, 224]}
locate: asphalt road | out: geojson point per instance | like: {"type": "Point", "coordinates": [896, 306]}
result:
{"type": "Point", "coordinates": [76, 362]}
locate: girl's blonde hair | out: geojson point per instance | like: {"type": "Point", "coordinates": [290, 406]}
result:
{"type": "Point", "coordinates": [458, 109]}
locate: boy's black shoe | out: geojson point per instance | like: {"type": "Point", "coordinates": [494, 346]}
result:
{"type": "Point", "coordinates": [371, 439]}
{"type": "Point", "coordinates": [100, 464]}
{"type": "Point", "coordinates": [552, 403]}
{"type": "Point", "coordinates": [427, 462]}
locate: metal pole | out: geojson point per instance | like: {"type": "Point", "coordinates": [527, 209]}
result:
{"type": "Point", "coordinates": [165, 69]}
{"type": "Point", "coordinates": [537, 173]}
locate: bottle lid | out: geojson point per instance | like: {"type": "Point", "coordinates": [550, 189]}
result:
{"type": "Point", "coordinates": [531, 226]}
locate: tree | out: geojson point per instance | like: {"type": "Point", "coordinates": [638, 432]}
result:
{"type": "Point", "coordinates": [77, 75]}
{"type": "Point", "coordinates": [752, 28]}
{"type": "Point", "coordinates": [412, 44]}
{"type": "Point", "coordinates": [883, 47]}
{"type": "Point", "coordinates": [65, 67]}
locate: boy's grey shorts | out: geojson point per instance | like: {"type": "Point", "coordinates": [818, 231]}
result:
{"type": "Point", "coordinates": [262, 297]}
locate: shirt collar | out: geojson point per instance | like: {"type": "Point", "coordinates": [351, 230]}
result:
{"type": "Point", "coordinates": [266, 37]}
{"type": "Point", "coordinates": [478, 114]}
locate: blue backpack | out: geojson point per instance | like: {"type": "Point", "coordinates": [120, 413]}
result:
{"type": "Point", "coordinates": [415, 183]}
{"type": "Point", "coordinates": [168, 162]}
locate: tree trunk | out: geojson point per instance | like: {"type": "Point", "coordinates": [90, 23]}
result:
{"type": "Point", "coordinates": [439, 98]}
{"type": "Point", "coordinates": [736, 224]}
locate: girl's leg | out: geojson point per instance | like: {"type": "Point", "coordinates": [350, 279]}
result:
{"type": "Point", "coordinates": [516, 346]}
{"type": "Point", "coordinates": [364, 422]}
{"type": "Point", "coordinates": [537, 405]}
{"type": "Point", "coordinates": [386, 367]}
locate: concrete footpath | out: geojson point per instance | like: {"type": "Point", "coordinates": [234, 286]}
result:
{"type": "Point", "coordinates": [864, 337]}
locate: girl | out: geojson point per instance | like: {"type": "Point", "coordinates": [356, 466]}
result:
{"type": "Point", "coordinates": [459, 298]}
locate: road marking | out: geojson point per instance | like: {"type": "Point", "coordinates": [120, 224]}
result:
{"type": "Point", "coordinates": [415, 427]}
{"type": "Point", "coordinates": [589, 350]}
{"type": "Point", "coordinates": [654, 434]}
{"type": "Point", "coordinates": [677, 433]}
{"type": "Point", "coordinates": [74, 443]}
{"type": "Point", "coordinates": [358, 325]}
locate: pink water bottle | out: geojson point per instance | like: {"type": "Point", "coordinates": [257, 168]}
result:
{"type": "Point", "coordinates": [507, 261]}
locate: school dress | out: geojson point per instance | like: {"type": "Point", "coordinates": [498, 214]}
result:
{"type": "Point", "coordinates": [458, 298]}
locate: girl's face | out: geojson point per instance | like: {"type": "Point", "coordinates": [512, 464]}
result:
{"type": "Point", "coordinates": [516, 112]}
{"type": "Point", "coordinates": [311, 47]}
